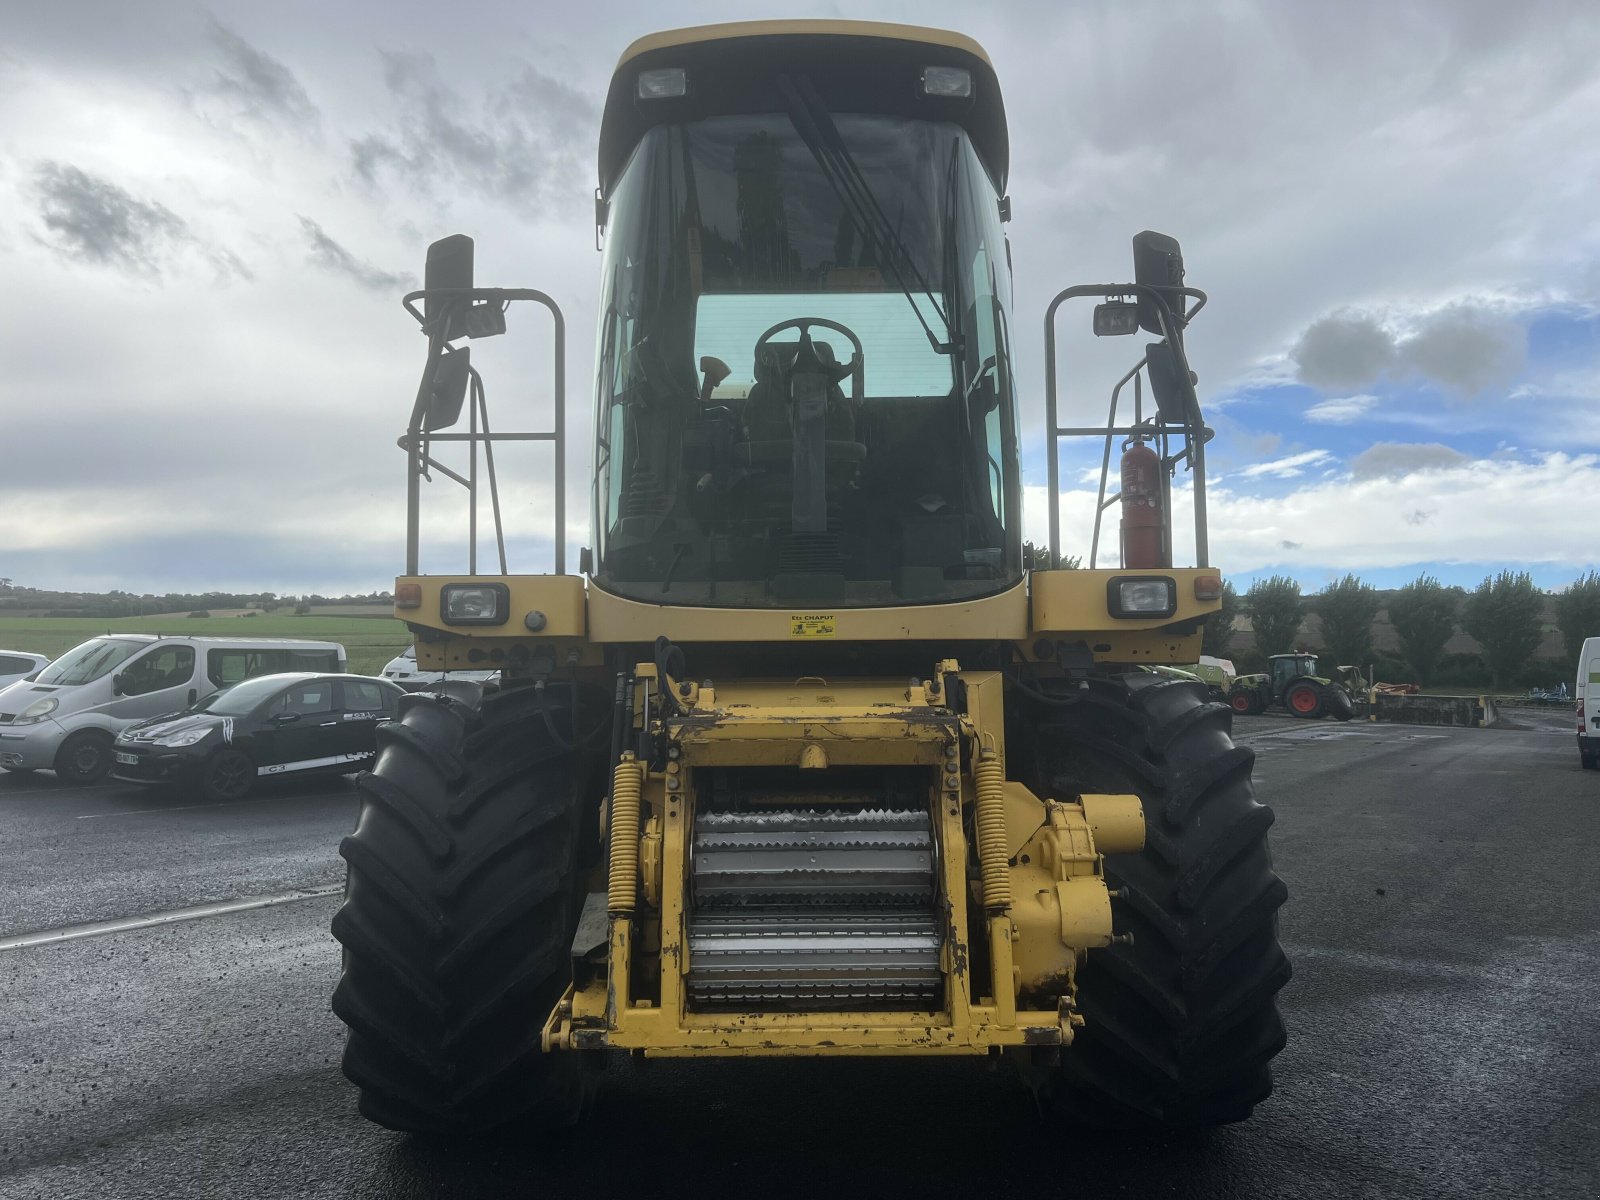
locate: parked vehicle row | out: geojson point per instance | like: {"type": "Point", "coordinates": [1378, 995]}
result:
{"type": "Point", "coordinates": [67, 716]}
{"type": "Point", "coordinates": [292, 724]}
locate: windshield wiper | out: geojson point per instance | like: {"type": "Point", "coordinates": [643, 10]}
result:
{"type": "Point", "coordinates": [813, 122]}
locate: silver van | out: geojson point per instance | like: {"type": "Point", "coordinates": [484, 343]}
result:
{"type": "Point", "coordinates": [66, 718]}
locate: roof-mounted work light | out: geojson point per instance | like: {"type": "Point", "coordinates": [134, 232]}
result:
{"type": "Point", "coordinates": [954, 82]}
{"type": "Point", "coordinates": [663, 83]}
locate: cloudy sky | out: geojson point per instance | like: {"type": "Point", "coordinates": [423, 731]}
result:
{"type": "Point", "coordinates": [208, 213]}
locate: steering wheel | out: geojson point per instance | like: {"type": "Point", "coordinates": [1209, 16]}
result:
{"type": "Point", "coordinates": [854, 367]}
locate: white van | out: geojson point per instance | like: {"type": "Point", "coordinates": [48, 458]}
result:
{"type": "Point", "coordinates": [403, 670]}
{"type": "Point", "coordinates": [1589, 723]}
{"type": "Point", "coordinates": [66, 718]}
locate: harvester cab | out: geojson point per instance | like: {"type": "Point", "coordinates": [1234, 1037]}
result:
{"type": "Point", "coordinates": [814, 757]}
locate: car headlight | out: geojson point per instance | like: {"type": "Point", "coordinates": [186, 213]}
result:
{"type": "Point", "coordinates": [475, 603]}
{"type": "Point", "coordinates": [187, 738]}
{"type": "Point", "coordinates": [1142, 596]}
{"type": "Point", "coordinates": [37, 711]}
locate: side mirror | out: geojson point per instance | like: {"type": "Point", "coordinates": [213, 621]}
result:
{"type": "Point", "coordinates": [449, 266]}
{"type": "Point", "coordinates": [118, 684]}
{"type": "Point", "coordinates": [194, 695]}
{"type": "Point", "coordinates": [1171, 384]}
{"type": "Point", "coordinates": [1157, 263]}
{"type": "Point", "coordinates": [450, 378]}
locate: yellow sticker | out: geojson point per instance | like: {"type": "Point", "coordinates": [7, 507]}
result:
{"type": "Point", "coordinates": [811, 625]}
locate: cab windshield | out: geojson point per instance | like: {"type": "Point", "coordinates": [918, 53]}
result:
{"type": "Point", "coordinates": [88, 662]}
{"type": "Point", "coordinates": [804, 391]}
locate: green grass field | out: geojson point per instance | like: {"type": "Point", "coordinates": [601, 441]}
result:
{"type": "Point", "coordinates": [369, 641]}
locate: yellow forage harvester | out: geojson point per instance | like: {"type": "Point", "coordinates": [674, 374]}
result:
{"type": "Point", "coordinates": [813, 755]}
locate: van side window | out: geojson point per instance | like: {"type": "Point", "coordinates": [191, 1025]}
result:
{"type": "Point", "coordinates": [163, 667]}
{"type": "Point", "coordinates": [227, 667]}
{"type": "Point", "coordinates": [321, 661]}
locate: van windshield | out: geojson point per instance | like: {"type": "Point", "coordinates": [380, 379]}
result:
{"type": "Point", "coordinates": [88, 662]}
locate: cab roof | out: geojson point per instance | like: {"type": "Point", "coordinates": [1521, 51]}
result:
{"type": "Point", "coordinates": [856, 66]}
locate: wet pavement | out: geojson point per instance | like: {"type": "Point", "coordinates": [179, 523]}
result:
{"type": "Point", "coordinates": [1444, 923]}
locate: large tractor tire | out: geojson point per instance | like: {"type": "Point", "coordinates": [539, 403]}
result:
{"type": "Point", "coordinates": [1338, 703]}
{"type": "Point", "coordinates": [1181, 1024]}
{"type": "Point", "coordinates": [459, 909]}
{"type": "Point", "coordinates": [1304, 700]}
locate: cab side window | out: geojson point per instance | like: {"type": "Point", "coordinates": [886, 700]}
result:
{"type": "Point", "coordinates": [163, 667]}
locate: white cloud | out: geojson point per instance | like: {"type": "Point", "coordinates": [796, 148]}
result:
{"type": "Point", "coordinates": [1478, 512]}
{"type": "Point", "coordinates": [1285, 468]}
{"type": "Point", "coordinates": [1396, 460]}
{"type": "Point", "coordinates": [1341, 411]}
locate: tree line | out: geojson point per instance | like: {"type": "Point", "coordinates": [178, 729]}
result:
{"type": "Point", "coordinates": [51, 603]}
{"type": "Point", "coordinates": [1504, 614]}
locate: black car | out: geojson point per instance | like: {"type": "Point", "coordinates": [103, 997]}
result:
{"type": "Point", "coordinates": [293, 724]}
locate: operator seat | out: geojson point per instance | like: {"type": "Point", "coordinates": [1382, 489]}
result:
{"type": "Point", "coordinates": [769, 428]}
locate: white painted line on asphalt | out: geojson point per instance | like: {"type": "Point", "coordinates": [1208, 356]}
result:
{"type": "Point", "coordinates": [141, 812]}
{"type": "Point", "coordinates": [42, 789]}
{"type": "Point", "coordinates": [70, 933]}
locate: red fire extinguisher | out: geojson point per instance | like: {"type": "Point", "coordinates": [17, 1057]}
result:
{"type": "Point", "coordinates": [1143, 521]}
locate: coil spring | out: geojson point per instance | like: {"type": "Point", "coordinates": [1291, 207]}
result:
{"type": "Point", "coordinates": [991, 823]}
{"type": "Point", "coordinates": [622, 881]}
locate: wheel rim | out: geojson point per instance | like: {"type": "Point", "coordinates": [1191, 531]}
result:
{"type": "Point", "coordinates": [86, 758]}
{"type": "Point", "coordinates": [1241, 703]}
{"type": "Point", "coordinates": [1303, 701]}
{"type": "Point", "coordinates": [229, 775]}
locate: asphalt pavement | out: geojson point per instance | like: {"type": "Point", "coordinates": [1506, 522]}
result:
{"type": "Point", "coordinates": [1444, 924]}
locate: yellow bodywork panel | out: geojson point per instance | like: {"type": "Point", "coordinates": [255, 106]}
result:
{"type": "Point", "coordinates": [747, 29]}
{"type": "Point", "coordinates": [1052, 605]}
{"type": "Point", "coordinates": [999, 618]}
{"type": "Point", "coordinates": [1075, 601]}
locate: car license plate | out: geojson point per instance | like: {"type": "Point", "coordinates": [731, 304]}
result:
{"type": "Point", "coordinates": [131, 760]}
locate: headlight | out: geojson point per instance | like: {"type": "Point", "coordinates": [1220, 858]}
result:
{"type": "Point", "coordinates": [475, 603]}
{"type": "Point", "coordinates": [187, 738]}
{"type": "Point", "coordinates": [37, 711]}
{"type": "Point", "coordinates": [1142, 596]}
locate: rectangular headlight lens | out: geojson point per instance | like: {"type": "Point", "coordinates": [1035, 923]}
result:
{"type": "Point", "coordinates": [475, 603]}
{"type": "Point", "coordinates": [663, 83]}
{"type": "Point", "coordinates": [947, 81]}
{"type": "Point", "coordinates": [1143, 597]}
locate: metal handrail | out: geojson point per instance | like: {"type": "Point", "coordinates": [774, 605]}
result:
{"type": "Point", "coordinates": [1195, 432]}
{"type": "Point", "coordinates": [416, 440]}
